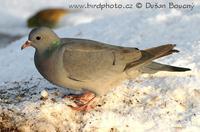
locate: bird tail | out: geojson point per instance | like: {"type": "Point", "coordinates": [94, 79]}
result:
{"type": "Point", "coordinates": [159, 52]}
{"type": "Point", "coordinates": [148, 55]}
{"type": "Point", "coordinates": [155, 67]}
{"type": "Point", "coordinates": [162, 51]}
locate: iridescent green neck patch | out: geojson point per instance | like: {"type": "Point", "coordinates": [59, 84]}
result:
{"type": "Point", "coordinates": [55, 42]}
{"type": "Point", "coordinates": [54, 45]}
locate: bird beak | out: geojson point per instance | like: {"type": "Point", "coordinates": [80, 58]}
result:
{"type": "Point", "coordinates": [26, 44]}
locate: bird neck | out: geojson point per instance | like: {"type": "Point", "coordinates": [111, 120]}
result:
{"type": "Point", "coordinates": [46, 53]}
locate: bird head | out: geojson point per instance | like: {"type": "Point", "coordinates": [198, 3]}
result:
{"type": "Point", "coordinates": [41, 38]}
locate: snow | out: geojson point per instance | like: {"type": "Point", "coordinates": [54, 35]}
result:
{"type": "Point", "coordinates": [160, 102]}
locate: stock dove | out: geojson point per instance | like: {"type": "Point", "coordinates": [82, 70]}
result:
{"type": "Point", "coordinates": [93, 66]}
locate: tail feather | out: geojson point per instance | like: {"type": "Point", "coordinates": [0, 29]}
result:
{"type": "Point", "coordinates": [148, 55]}
{"type": "Point", "coordinates": [169, 53]}
{"type": "Point", "coordinates": [155, 67]}
{"type": "Point", "coordinates": [163, 50]}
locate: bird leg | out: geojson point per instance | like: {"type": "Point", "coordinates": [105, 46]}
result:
{"type": "Point", "coordinates": [82, 101]}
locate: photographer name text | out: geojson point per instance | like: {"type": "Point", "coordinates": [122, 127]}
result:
{"type": "Point", "coordinates": [170, 5]}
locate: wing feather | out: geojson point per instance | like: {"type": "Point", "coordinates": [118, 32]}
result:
{"type": "Point", "coordinates": [87, 59]}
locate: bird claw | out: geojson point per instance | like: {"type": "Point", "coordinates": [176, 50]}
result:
{"type": "Point", "coordinates": [82, 101]}
{"type": "Point", "coordinates": [82, 107]}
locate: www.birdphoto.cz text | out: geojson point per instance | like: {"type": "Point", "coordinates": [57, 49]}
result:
{"type": "Point", "coordinates": [138, 5]}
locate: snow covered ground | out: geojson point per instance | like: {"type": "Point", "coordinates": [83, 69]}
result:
{"type": "Point", "coordinates": [161, 102]}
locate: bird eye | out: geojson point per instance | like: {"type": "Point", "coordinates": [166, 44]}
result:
{"type": "Point", "coordinates": [38, 37]}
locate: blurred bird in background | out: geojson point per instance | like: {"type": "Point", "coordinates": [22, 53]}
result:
{"type": "Point", "coordinates": [47, 17]}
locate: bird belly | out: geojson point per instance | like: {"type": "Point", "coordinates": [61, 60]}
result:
{"type": "Point", "coordinates": [100, 86]}
{"type": "Point", "coordinates": [52, 71]}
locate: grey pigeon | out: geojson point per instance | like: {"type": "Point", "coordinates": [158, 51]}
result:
{"type": "Point", "coordinates": [93, 66]}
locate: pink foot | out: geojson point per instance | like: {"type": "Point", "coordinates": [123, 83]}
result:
{"type": "Point", "coordinates": [82, 101]}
